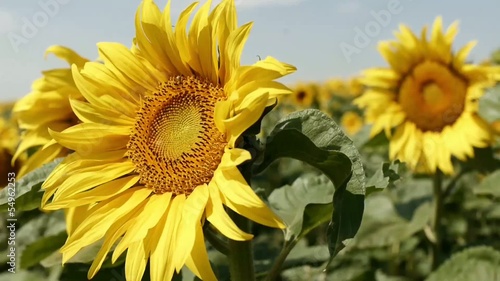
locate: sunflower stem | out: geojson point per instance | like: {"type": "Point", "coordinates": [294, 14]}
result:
{"type": "Point", "coordinates": [218, 242]}
{"type": "Point", "coordinates": [240, 255]}
{"type": "Point", "coordinates": [438, 213]}
{"type": "Point", "coordinates": [278, 263]}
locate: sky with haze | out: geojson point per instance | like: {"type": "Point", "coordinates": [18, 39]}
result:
{"type": "Point", "coordinates": [322, 38]}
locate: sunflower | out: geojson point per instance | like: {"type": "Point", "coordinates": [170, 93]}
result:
{"type": "Point", "coordinates": [304, 94]}
{"type": "Point", "coordinates": [351, 122]}
{"type": "Point", "coordinates": [47, 107]}
{"type": "Point", "coordinates": [429, 96]}
{"type": "Point", "coordinates": [355, 87]}
{"type": "Point", "coordinates": [9, 138]}
{"type": "Point", "coordinates": [159, 143]}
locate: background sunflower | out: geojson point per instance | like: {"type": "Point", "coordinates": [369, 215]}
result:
{"type": "Point", "coordinates": [47, 107]}
{"type": "Point", "coordinates": [429, 96]}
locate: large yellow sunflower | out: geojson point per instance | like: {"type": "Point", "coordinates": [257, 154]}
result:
{"type": "Point", "coordinates": [47, 107]}
{"type": "Point", "coordinates": [429, 95]}
{"type": "Point", "coordinates": [158, 147]}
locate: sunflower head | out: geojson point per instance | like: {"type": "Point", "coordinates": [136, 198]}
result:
{"type": "Point", "coordinates": [352, 122]}
{"type": "Point", "coordinates": [159, 142]}
{"type": "Point", "coordinates": [304, 94]}
{"type": "Point", "coordinates": [47, 107]}
{"type": "Point", "coordinates": [429, 97]}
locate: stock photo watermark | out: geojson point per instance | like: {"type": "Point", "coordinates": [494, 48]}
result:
{"type": "Point", "coordinates": [364, 35]}
{"type": "Point", "coordinates": [11, 222]}
{"type": "Point", "coordinates": [30, 26]}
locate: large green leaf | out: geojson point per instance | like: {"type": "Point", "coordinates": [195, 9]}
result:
{"type": "Point", "coordinates": [42, 248]}
{"type": "Point", "coordinates": [477, 263]}
{"type": "Point", "coordinates": [383, 226]}
{"type": "Point", "coordinates": [314, 138]}
{"type": "Point", "coordinates": [489, 105]}
{"type": "Point", "coordinates": [490, 185]}
{"type": "Point", "coordinates": [27, 190]}
{"type": "Point", "coordinates": [307, 199]}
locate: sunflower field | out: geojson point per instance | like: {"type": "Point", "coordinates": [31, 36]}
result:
{"type": "Point", "coordinates": [170, 159]}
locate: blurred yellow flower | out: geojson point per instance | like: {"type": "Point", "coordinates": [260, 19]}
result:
{"type": "Point", "coordinates": [9, 139]}
{"type": "Point", "coordinates": [351, 122]}
{"type": "Point", "coordinates": [47, 107]}
{"type": "Point", "coordinates": [355, 87]}
{"type": "Point", "coordinates": [304, 94]}
{"type": "Point", "coordinates": [429, 95]}
{"type": "Point", "coordinates": [495, 126]}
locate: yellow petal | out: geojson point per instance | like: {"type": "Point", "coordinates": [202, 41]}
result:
{"type": "Point", "coordinates": [162, 264]}
{"type": "Point", "coordinates": [238, 196]}
{"type": "Point", "coordinates": [192, 212]}
{"type": "Point", "coordinates": [236, 125]}
{"type": "Point", "coordinates": [218, 217]}
{"type": "Point", "coordinates": [148, 218]}
{"type": "Point", "coordinates": [86, 137]}
{"type": "Point", "coordinates": [101, 217]}
{"type": "Point", "coordinates": [66, 54]}
{"type": "Point", "coordinates": [198, 261]}
{"type": "Point", "coordinates": [135, 264]}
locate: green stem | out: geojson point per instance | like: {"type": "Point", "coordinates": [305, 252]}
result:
{"type": "Point", "coordinates": [453, 183]}
{"type": "Point", "coordinates": [240, 254]}
{"type": "Point", "coordinates": [218, 242]}
{"type": "Point", "coordinates": [438, 213]}
{"type": "Point", "coordinates": [278, 263]}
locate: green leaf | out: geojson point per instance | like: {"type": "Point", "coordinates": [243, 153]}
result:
{"type": "Point", "coordinates": [303, 254]}
{"type": "Point", "coordinates": [42, 248]}
{"type": "Point", "coordinates": [314, 138]}
{"type": "Point", "coordinates": [387, 175]}
{"type": "Point", "coordinates": [490, 185]}
{"type": "Point", "coordinates": [381, 276]}
{"type": "Point", "coordinates": [489, 105]}
{"type": "Point", "coordinates": [383, 226]}
{"type": "Point", "coordinates": [477, 263]}
{"type": "Point", "coordinates": [303, 205]}
{"type": "Point", "coordinates": [23, 275]}
{"type": "Point", "coordinates": [294, 144]}
{"type": "Point", "coordinates": [27, 195]}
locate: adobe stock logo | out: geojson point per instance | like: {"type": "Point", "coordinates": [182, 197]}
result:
{"type": "Point", "coordinates": [30, 27]}
{"type": "Point", "coordinates": [363, 37]}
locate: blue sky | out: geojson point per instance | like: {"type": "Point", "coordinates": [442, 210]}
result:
{"type": "Point", "coordinates": [306, 33]}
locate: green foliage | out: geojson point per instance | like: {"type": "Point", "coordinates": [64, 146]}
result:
{"type": "Point", "coordinates": [386, 176]}
{"type": "Point", "coordinates": [27, 190]}
{"type": "Point", "coordinates": [489, 105]}
{"type": "Point", "coordinates": [476, 263]}
{"type": "Point", "coordinates": [314, 138]}
{"type": "Point", "coordinates": [303, 205]}
{"type": "Point", "coordinates": [42, 248]}
{"type": "Point", "coordinates": [490, 185]}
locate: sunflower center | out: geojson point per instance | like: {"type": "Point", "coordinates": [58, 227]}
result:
{"type": "Point", "coordinates": [301, 96]}
{"type": "Point", "coordinates": [433, 96]}
{"type": "Point", "coordinates": [175, 144]}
